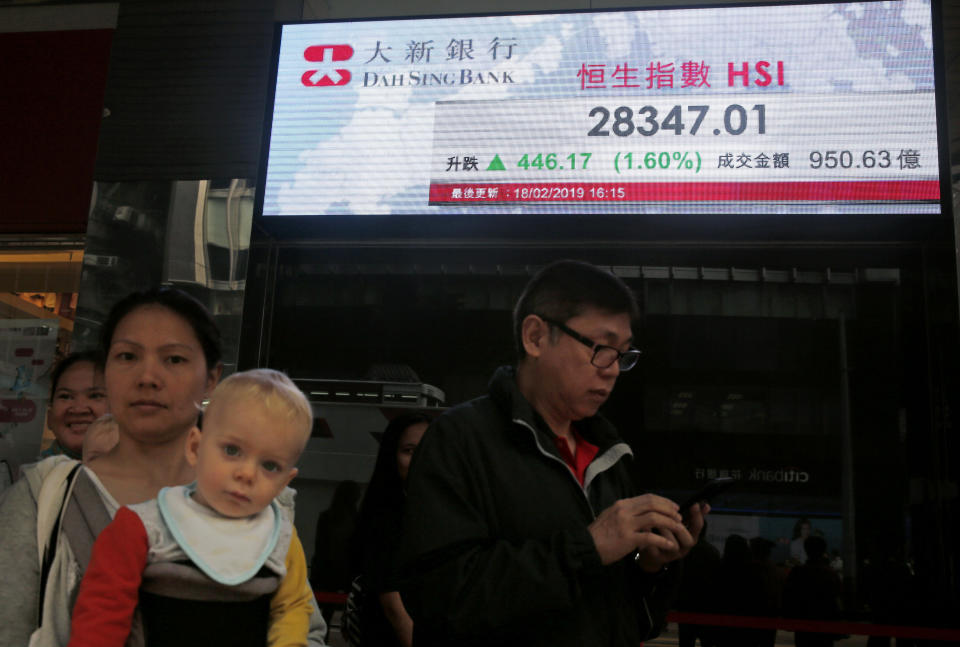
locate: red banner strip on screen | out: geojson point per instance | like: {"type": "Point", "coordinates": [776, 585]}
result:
{"type": "Point", "coordinates": [833, 191]}
{"type": "Point", "coordinates": [814, 626]}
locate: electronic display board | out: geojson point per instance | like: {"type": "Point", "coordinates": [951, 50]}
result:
{"type": "Point", "coordinates": [809, 108]}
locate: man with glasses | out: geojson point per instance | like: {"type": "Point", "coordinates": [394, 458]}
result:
{"type": "Point", "coordinates": [522, 524]}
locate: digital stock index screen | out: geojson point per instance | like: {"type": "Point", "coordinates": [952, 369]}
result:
{"type": "Point", "coordinates": [810, 108]}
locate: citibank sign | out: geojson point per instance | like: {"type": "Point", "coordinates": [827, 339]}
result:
{"type": "Point", "coordinates": [788, 475]}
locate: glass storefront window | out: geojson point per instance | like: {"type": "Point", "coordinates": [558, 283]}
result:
{"type": "Point", "coordinates": [820, 379]}
{"type": "Point", "coordinates": [194, 234]}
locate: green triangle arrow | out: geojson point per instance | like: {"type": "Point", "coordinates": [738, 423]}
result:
{"type": "Point", "coordinates": [496, 164]}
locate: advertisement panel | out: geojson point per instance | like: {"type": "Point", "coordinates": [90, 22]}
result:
{"type": "Point", "coordinates": [819, 108]}
{"type": "Point", "coordinates": [27, 350]}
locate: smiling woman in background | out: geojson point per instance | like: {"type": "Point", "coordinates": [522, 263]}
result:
{"type": "Point", "coordinates": [77, 398]}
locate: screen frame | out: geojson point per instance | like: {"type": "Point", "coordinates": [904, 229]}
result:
{"type": "Point", "coordinates": [490, 228]}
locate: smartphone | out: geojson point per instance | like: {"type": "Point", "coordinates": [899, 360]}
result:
{"type": "Point", "coordinates": [712, 488]}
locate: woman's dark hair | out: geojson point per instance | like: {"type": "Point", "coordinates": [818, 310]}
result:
{"type": "Point", "coordinates": [386, 488]}
{"type": "Point", "coordinates": [95, 357]}
{"type": "Point", "coordinates": [382, 507]}
{"type": "Point", "coordinates": [179, 302]}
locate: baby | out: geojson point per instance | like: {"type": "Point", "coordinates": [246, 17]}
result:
{"type": "Point", "coordinates": [231, 524]}
{"type": "Point", "coordinates": [102, 436]}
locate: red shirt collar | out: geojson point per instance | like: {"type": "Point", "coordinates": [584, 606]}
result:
{"type": "Point", "coordinates": [578, 461]}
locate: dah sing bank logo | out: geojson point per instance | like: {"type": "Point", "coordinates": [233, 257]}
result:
{"type": "Point", "coordinates": [327, 54]}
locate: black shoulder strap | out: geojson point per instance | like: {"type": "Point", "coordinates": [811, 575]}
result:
{"type": "Point", "coordinates": [50, 549]}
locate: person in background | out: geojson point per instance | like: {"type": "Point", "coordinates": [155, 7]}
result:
{"type": "Point", "coordinates": [384, 621]}
{"type": "Point", "coordinates": [77, 398]}
{"type": "Point", "coordinates": [330, 570]}
{"type": "Point", "coordinates": [801, 530]}
{"type": "Point", "coordinates": [102, 436]}
{"type": "Point", "coordinates": [769, 587]}
{"type": "Point", "coordinates": [523, 525]}
{"type": "Point", "coordinates": [228, 531]}
{"type": "Point", "coordinates": [735, 591]}
{"type": "Point", "coordinates": [162, 350]}
{"type": "Point", "coordinates": [812, 591]}
{"type": "Point", "coordinates": [330, 567]}
{"type": "Point", "coordinates": [698, 591]}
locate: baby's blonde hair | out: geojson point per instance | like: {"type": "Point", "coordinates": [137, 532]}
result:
{"type": "Point", "coordinates": [274, 390]}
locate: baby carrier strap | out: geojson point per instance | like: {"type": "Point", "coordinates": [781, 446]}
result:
{"type": "Point", "coordinates": [48, 549]}
{"type": "Point", "coordinates": [82, 515]}
{"type": "Point", "coordinates": [69, 505]}
{"type": "Point", "coordinates": [185, 581]}
{"type": "Point", "coordinates": [85, 516]}
{"type": "Point", "coordinates": [181, 607]}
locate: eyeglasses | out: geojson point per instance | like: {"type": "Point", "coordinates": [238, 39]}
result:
{"type": "Point", "coordinates": [603, 356]}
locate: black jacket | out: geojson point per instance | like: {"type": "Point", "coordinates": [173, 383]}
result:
{"type": "Point", "coordinates": [495, 544]}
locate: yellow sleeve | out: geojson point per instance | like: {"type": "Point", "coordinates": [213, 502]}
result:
{"type": "Point", "coordinates": [292, 604]}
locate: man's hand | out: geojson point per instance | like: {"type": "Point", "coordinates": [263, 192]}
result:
{"type": "Point", "coordinates": [648, 524]}
{"type": "Point", "coordinates": [653, 558]}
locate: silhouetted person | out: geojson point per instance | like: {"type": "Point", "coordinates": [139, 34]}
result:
{"type": "Point", "coordinates": [746, 587]}
{"type": "Point", "coordinates": [890, 588]}
{"type": "Point", "coordinates": [812, 591]}
{"type": "Point", "coordinates": [330, 567]}
{"type": "Point", "coordinates": [735, 591]}
{"type": "Point", "coordinates": [698, 584]}
{"type": "Point", "coordinates": [766, 599]}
